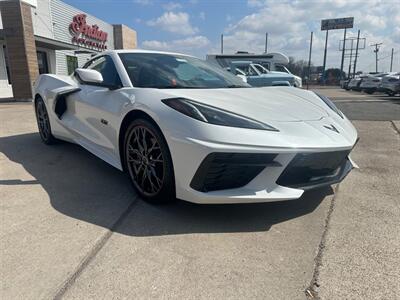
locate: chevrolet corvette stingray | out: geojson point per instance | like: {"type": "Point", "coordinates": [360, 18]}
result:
{"type": "Point", "coordinates": [183, 128]}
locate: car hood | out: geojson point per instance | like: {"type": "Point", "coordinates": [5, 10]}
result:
{"type": "Point", "coordinates": [281, 104]}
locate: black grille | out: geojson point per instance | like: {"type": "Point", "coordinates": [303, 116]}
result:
{"type": "Point", "coordinates": [309, 169]}
{"type": "Point", "coordinates": [220, 171]}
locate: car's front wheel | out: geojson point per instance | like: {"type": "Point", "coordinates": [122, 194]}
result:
{"type": "Point", "coordinates": [43, 122]}
{"type": "Point", "coordinates": [148, 162]}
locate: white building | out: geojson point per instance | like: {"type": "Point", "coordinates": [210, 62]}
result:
{"type": "Point", "coordinates": [50, 36]}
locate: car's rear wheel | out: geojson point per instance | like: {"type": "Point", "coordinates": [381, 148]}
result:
{"type": "Point", "coordinates": [43, 122]}
{"type": "Point", "coordinates": [148, 162]}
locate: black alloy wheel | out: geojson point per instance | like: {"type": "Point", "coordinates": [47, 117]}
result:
{"type": "Point", "coordinates": [148, 162]}
{"type": "Point", "coordinates": [43, 122]}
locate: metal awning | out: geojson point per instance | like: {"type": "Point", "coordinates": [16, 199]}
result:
{"type": "Point", "coordinates": [53, 44]}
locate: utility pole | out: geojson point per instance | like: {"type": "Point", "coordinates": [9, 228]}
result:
{"type": "Point", "coordinates": [222, 44]}
{"type": "Point", "coordinates": [391, 61]}
{"type": "Point", "coordinates": [376, 50]}
{"type": "Point", "coordinates": [324, 65]}
{"type": "Point", "coordinates": [344, 47]}
{"type": "Point", "coordinates": [309, 60]}
{"type": "Point", "coordinates": [266, 42]}
{"type": "Point", "coordinates": [355, 59]}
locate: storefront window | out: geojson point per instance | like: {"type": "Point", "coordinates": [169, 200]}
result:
{"type": "Point", "coordinates": [72, 63]}
{"type": "Point", "coordinates": [42, 62]}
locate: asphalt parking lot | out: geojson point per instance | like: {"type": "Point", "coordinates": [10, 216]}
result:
{"type": "Point", "coordinates": [73, 228]}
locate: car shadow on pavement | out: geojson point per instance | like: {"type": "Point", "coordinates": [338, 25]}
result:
{"type": "Point", "coordinates": [84, 187]}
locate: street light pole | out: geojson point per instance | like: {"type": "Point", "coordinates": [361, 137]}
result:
{"type": "Point", "coordinates": [351, 57]}
{"type": "Point", "coordinates": [309, 60]}
{"type": "Point", "coordinates": [344, 47]}
{"type": "Point", "coordinates": [391, 61]}
{"type": "Point", "coordinates": [222, 43]}
{"type": "Point", "coordinates": [324, 65]}
{"type": "Point", "coordinates": [355, 59]}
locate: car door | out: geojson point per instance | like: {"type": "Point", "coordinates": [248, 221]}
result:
{"type": "Point", "coordinates": [96, 112]}
{"type": "Point", "coordinates": [254, 78]}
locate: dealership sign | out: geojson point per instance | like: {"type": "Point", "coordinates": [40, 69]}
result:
{"type": "Point", "coordinates": [87, 35]}
{"type": "Point", "coordinates": [340, 23]}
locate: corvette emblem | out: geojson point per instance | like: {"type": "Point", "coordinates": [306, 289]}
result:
{"type": "Point", "coordinates": [331, 127]}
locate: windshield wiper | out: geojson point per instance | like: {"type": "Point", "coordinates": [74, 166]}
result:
{"type": "Point", "coordinates": [180, 87]}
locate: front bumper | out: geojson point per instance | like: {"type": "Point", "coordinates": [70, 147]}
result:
{"type": "Point", "coordinates": [218, 173]}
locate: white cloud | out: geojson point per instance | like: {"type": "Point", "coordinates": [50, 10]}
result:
{"type": "Point", "coordinates": [178, 23]}
{"type": "Point", "coordinates": [172, 6]}
{"type": "Point", "coordinates": [180, 45]}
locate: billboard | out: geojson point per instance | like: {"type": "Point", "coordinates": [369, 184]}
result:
{"type": "Point", "coordinates": [340, 23]}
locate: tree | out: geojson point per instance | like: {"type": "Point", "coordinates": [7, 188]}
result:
{"type": "Point", "coordinates": [333, 75]}
{"type": "Point", "coordinates": [299, 68]}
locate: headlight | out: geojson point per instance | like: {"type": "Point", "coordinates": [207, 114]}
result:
{"type": "Point", "coordinates": [331, 105]}
{"type": "Point", "coordinates": [213, 115]}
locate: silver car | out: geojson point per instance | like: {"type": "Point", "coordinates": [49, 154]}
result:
{"type": "Point", "coordinates": [390, 84]}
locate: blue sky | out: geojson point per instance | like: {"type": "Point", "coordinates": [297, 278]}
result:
{"type": "Point", "coordinates": [194, 26]}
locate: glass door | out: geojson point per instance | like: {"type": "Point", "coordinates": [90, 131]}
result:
{"type": "Point", "coordinates": [42, 62]}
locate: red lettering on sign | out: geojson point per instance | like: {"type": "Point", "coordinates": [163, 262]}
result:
{"type": "Point", "coordinates": [86, 34]}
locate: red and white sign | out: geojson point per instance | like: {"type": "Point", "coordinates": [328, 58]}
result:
{"type": "Point", "coordinates": [88, 35]}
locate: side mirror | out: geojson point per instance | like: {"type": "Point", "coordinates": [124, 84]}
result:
{"type": "Point", "coordinates": [244, 78]}
{"type": "Point", "coordinates": [93, 77]}
{"type": "Point", "coordinates": [89, 76]}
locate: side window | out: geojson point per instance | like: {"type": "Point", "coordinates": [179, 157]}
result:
{"type": "Point", "coordinates": [105, 65]}
{"type": "Point", "coordinates": [265, 65]}
{"type": "Point", "coordinates": [280, 68]}
{"type": "Point", "coordinates": [72, 63]}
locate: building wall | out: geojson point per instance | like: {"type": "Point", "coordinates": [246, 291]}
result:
{"type": "Point", "coordinates": [21, 47]}
{"type": "Point", "coordinates": [124, 37]}
{"type": "Point", "coordinates": [42, 19]}
{"type": "Point", "coordinates": [62, 15]}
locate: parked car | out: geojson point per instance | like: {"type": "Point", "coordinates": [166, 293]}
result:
{"type": "Point", "coordinates": [257, 75]}
{"type": "Point", "coordinates": [344, 83]}
{"type": "Point", "coordinates": [390, 84]}
{"type": "Point", "coordinates": [183, 128]}
{"type": "Point", "coordinates": [273, 62]}
{"type": "Point", "coordinates": [354, 84]}
{"type": "Point", "coordinates": [371, 83]}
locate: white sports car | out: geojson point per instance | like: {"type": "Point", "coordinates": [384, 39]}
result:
{"type": "Point", "coordinates": [183, 128]}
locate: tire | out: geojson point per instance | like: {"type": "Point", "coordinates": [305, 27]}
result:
{"type": "Point", "coordinates": [148, 162]}
{"type": "Point", "coordinates": [43, 122]}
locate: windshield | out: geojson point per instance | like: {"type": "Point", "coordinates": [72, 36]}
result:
{"type": "Point", "coordinates": [156, 70]}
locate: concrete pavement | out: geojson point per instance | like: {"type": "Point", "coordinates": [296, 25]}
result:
{"type": "Point", "coordinates": [72, 227]}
